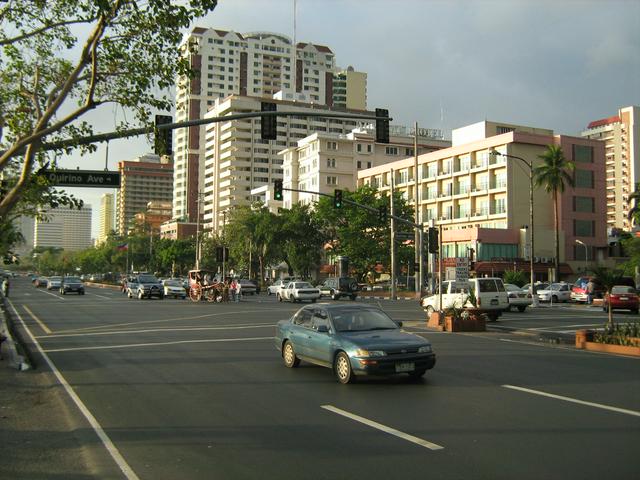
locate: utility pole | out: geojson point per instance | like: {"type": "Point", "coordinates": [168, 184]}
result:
{"type": "Point", "coordinates": [416, 200]}
{"type": "Point", "coordinates": [393, 237]}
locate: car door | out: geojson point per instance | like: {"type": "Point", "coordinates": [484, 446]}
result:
{"type": "Point", "coordinates": [319, 343]}
{"type": "Point", "coordinates": [300, 328]}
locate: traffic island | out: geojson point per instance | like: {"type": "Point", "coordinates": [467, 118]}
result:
{"type": "Point", "coordinates": [585, 340]}
{"type": "Point", "coordinates": [466, 321]}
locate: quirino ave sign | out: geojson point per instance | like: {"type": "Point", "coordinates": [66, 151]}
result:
{"type": "Point", "coordinates": [83, 178]}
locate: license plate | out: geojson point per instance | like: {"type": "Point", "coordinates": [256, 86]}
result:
{"type": "Point", "coordinates": [624, 298]}
{"type": "Point", "coordinates": [405, 367]}
{"type": "Point", "coordinates": [494, 301]}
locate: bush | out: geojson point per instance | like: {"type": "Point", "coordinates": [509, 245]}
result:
{"type": "Point", "coordinates": [619, 334]}
{"type": "Point", "coordinates": [516, 277]}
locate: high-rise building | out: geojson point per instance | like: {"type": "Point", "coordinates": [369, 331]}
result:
{"type": "Point", "coordinates": [621, 136]}
{"type": "Point", "coordinates": [107, 218]}
{"type": "Point", "coordinates": [66, 228]}
{"type": "Point", "coordinates": [258, 64]}
{"type": "Point", "coordinates": [481, 199]}
{"type": "Point", "coordinates": [238, 160]}
{"type": "Point", "coordinates": [142, 180]}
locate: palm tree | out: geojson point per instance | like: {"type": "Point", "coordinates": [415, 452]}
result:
{"type": "Point", "coordinates": [607, 278]}
{"type": "Point", "coordinates": [634, 211]}
{"type": "Point", "coordinates": [553, 174]}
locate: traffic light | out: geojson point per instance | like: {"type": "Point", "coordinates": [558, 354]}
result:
{"type": "Point", "coordinates": [382, 214]}
{"type": "Point", "coordinates": [163, 138]}
{"type": "Point", "coordinates": [277, 190]}
{"type": "Point", "coordinates": [382, 126]}
{"type": "Point", "coordinates": [268, 124]}
{"type": "Point", "coordinates": [433, 240]}
{"type": "Point", "coordinates": [337, 198]}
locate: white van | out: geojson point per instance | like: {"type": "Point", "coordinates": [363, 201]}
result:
{"type": "Point", "coordinates": [490, 294]}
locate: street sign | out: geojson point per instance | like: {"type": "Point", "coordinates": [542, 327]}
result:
{"type": "Point", "coordinates": [83, 178]}
{"type": "Point", "coordinates": [462, 271]}
{"type": "Point", "coordinates": [401, 236]}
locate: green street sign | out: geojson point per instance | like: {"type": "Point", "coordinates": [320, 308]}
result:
{"type": "Point", "coordinates": [83, 178]}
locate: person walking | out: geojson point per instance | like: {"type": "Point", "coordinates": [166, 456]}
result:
{"type": "Point", "coordinates": [5, 286]}
{"type": "Point", "coordinates": [589, 289]}
{"type": "Point", "coordinates": [233, 290]}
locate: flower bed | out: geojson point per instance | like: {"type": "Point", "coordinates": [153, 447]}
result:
{"type": "Point", "coordinates": [623, 339]}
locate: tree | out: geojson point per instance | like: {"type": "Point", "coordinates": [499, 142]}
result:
{"type": "Point", "coordinates": [608, 278]}
{"type": "Point", "coordinates": [62, 59]}
{"type": "Point", "coordinates": [634, 204]}
{"type": "Point", "coordinates": [553, 175]}
{"type": "Point", "coordinates": [300, 239]}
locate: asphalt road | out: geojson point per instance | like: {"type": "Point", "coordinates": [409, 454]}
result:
{"type": "Point", "coordinates": [174, 389]}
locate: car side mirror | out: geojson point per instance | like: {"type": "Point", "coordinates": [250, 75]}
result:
{"type": "Point", "coordinates": [322, 329]}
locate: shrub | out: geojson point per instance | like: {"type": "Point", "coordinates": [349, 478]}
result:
{"type": "Point", "coordinates": [516, 277]}
{"type": "Point", "coordinates": [619, 334]}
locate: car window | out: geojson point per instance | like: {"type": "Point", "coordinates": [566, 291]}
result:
{"type": "Point", "coordinates": [147, 279]}
{"type": "Point", "coordinates": [303, 318]}
{"type": "Point", "coordinates": [499, 285]}
{"type": "Point", "coordinates": [487, 285]}
{"type": "Point", "coordinates": [73, 279]}
{"type": "Point", "coordinates": [303, 285]}
{"type": "Point", "coordinates": [619, 290]}
{"type": "Point", "coordinates": [318, 318]}
{"type": "Point", "coordinates": [173, 283]}
{"type": "Point", "coordinates": [351, 320]}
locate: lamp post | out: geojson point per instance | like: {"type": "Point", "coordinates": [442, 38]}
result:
{"type": "Point", "coordinates": [534, 299]}
{"type": "Point", "coordinates": [586, 253]}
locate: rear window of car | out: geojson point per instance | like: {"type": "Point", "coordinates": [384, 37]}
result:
{"type": "Point", "coordinates": [147, 279]}
{"type": "Point", "coordinates": [303, 285]}
{"type": "Point", "coordinates": [488, 285]}
{"type": "Point", "coordinates": [72, 279]}
{"type": "Point", "coordinates": [619, 290]}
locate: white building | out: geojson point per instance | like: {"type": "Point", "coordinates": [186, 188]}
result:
{"type": "Point", "coordinates": [107, 217]}
{"type": "Point", "coordinates": [66, 228]}
{"type": "Point", "coordinates": [257, 64]}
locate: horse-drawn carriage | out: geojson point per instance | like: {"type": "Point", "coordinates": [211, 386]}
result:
{"type": "Point", "coordinates": [202, 285]}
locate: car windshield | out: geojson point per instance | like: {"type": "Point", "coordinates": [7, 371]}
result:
{"type": "Point", "coordinates": [72, 280]}
{"type": "Point", "coordinates": [303, 285]}
{"type": "Point", "coordinates": [511, 288]}
{"type": "Point", "coordinates": [358, 320]}
{"type": "Point", "coordinates": [173, 283]}
{"type": "Point", "coordinates": [619, 290]}
{"type": "Point", "coordinates": [55, 279]}
{"type": "Point", "coordinates": [556, 286]}
{"type": "Point", "coordinates": [147, 279]}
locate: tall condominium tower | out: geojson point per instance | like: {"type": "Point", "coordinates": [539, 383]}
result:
{"type": "Point", "coordinates": [66, 228]}
{"type": "Point", "coordinates": [621, 135]}
{"type": "Point", "coordinates": [258, 64]}
{"type": "Point", "coordinates": [107, 217]}
{"type": "Point", "coordinates": [142, 180]}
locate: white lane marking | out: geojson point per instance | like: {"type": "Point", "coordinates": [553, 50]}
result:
{"type": "Point", "coordinates": [40, 322]}
{"type": "Point", "coordinates": [384, 428]}
{"type": "Point", "coordinates": [155, 344]}
{"type": "Point", "coordinates": [155, 330]}
{"type": "Point", "coordinates": [574, 400]}
{"type": "Point", "coordinates": [52, 294]}
{"type": "Point", "coordinates": [101, 296]}
{"type": "Point", "coordinates": [104, 438]}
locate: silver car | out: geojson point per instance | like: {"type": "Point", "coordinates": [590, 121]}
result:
{"type": "Point", "coordinates": [54, 283]}
{"type": "Point", "coordinates": [556, 292]}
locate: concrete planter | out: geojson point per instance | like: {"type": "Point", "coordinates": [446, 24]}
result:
{"type": "Point", "coordinates": [474, 323]}
{"type": "Point", "coordinates": [436, 321]}
{"type": "Point", "coordinates": [584, 340]}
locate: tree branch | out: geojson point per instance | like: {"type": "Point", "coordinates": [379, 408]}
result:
{"type": "Point", "coordinates": [12, 197]}
{"type": "Point", "coordinates": [44, 28]}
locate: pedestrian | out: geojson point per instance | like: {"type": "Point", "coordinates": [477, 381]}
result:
{"type": "Point", "coordinates": [5, 286]}
{"type": "Point", "coordinates": [589, 290]}
{"type": "Point", "coordinates": [233, 290]}
{"type": "Point", "coordinates": [238, 291]}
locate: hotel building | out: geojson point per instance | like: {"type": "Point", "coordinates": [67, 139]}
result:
{"type": "Point", "coordinates": [66, 228]}
{"type": "Point", "coordinates": [481, 200]}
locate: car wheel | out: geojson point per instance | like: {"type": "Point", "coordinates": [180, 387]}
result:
{"type": "Point", "coordinates": [334, 295]}
{"type": "Point", "coordinates": [353, 286]}
{"type": "Point", "coordinates": [291, 360]}
{"type": "Point", "coordinates": [522, 308]}
{"type": "Point", "coordinates": [493, 317]}
{"type": "Point", "coordinates": [342, 369]}
{"type": "Point", "coordinates": [554, 299]}
{"type": "Point", "coordinates": [81, 292]}
{"type": "Point", "coordinates": [278, 297]}
{"type": "Point", "coordinates": [129, 295]}
{"type": "Point", "coordinates": [140, 295]}
{"type": "Point", "coordinates": [183, 297]}
{"type": "Point", "coordinates": [416, 374]}
{"type": "Point", "coordinates": [430, 310]}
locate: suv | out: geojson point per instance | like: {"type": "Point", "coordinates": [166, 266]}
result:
{"type": "Point", "coordinates": [337, 287]}
{"type": "Point", "coordinates": [148, 286]}
{"type": "Point", "coordinates": [491, 296]}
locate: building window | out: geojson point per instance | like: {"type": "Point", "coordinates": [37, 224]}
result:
{"type": "Point", "coordinates": [359, 164]}
{"type": "Point", "coordinates": [331, 163]}
{"type": "Point", "coordinates": [584, 178]}
{"type": "Point", "coordinates": [583, 153]}
{"type": "Point", "coordinates": [332, 145]}
{"type": "Point", "coordinates": [584, 204]}
{"type": "Point", "coordinates": [332, 180]}
{"type": "Point", "coordinates": [584, 228]}
{"type": "Point", "coordinates": [391, 150]}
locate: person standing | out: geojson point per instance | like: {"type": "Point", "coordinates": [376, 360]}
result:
{"type": "Point", "coordinates": [238, 291]}
{"type": "Point", "coordinates": [589, 289]}
{"type": "Point", "coordinates": [233, 290]}
{"type": "Point", "coordinates": [5, 286]}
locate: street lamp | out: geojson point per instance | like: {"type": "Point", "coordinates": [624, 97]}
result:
{"type": "Point", "coordinates": [534, 299]}
{"type": "Point", "coordinates": [586, 253]}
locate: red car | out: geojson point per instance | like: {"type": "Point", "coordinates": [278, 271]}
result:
{"type": "Point", "coordinates": [622, 297]}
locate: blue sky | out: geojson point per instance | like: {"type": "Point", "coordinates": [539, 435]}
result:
{"type": "Point", "coordinates": [445, 64]}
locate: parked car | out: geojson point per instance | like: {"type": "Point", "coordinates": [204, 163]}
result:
{"type": "Point", "coordinates": [352, 340]}
{"type": "Point", "coordinates": [174, 288]}
{"type": "Point", "coordinates": [491, 296]}
{"type": "Point", "coordinates": [539, 286]}
{"type": "Point", "coordinates": [40, 282]}
{"type": "Point", "coordinates": [54, 282]}
{"type": "Point", "coordinates": [336, 287]}
{"type": "Point", "coordinates": [556, 292]}
{"type": "Point", "coordinates": [622, 297]}
{"type": "Point", "coordinates": [518, 298]}
{"type": "Point", "coordinates": [148, 286]}
{"type": "Point", "coordinates": [579, 289]}
{"type": "Point", "coordinates": [71, 284]}
{"type": "Point", "coordinates": [275, 286]}
{"type": "Point", "coordinates": [247, 287]}
{"type": "Point", "coordinates": [298, 291]}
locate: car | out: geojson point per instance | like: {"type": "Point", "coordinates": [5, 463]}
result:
{"type": "Point", "coordinates": [298, 291]}
{"type": "Point", "coordinates": [174, 288]}
{"type": "Point", "coordinates": [622, 297]}
{"type": "Point", "coordinates": [336, 287]}
{"type": "Point", "coordinates": [71, 284]}
{"type": "Point", "coordinates": [352, 340]}
{"type": "Point", "coordinates": [247, 287]}
{"type": "Point", "coordinates": [539, 286]}
{"type": "Point", "coordinates": [556, 292]}
{"type": "Point", "coordinates": [40, 282]}
{"type": "Point", "coordinates": [148, 286]}
{"type": "Point", "coordinates": [579, 289]}
{"type": "Point", "coordinates": [491, 296]}
{"type": "Point", "coordinates": [517, 297]}
{"type": "Point", "coordinates": [54, 282]}
{"type": "Point", "coordinates": [275, 286]}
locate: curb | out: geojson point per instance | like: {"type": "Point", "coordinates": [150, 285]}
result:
{"type": "Point", "coordinates": [15, 359]}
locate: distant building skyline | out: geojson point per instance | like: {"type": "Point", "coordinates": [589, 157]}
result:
{"type": "Point", "coordinates": [66, 228]}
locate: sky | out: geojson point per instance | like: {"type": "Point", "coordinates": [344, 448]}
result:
{"type": "Point", "coordinates": [555, 64]}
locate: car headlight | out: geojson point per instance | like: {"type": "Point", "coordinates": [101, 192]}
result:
{"type": "Point", "coordinates": [425, 349]}
{"type": "Point", "coordinates": [370, 353]}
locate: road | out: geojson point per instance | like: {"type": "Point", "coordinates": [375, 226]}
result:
{"type": "Point", "coordinates": [173, 389]}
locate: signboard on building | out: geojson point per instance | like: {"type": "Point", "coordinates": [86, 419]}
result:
{"type": "Point", "coordinates": [83, 178]}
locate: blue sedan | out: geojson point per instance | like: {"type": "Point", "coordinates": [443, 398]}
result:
{"type": "Point", "coordinates": [352, 340]}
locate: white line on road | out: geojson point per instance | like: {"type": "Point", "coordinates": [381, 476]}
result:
{"type": "Point", "coordinates": [384, 428]}
{"type": "Point", "coordinates": [104, 438]}
{"type": "Point", "coordinates": [156, 344]}
{"type": "Point", "coordinates": [42, 325]}
{"type": "Point", "coordinates": [101, 296]}
{"type": "Point", "coordinates": [564, 326]}
{"type": "Point", "coordinates": [49, 293]}
{"type": "Point", "coordinates": [574, 400]}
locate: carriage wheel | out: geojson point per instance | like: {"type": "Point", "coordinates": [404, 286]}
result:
{"type": "Point", "coordinates": [195, 293]}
